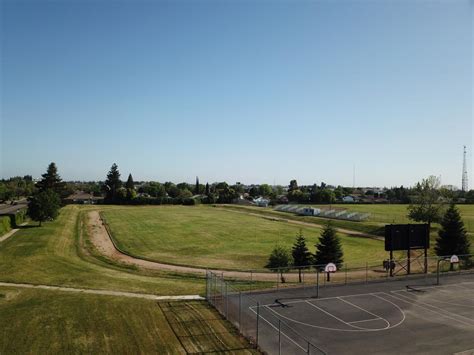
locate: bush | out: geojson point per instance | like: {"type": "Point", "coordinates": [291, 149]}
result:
{"type": "Point", "coordinates": [18, 218]}
{"type": "Point", "coordinates": [190, 202]}
{"type": "Point", "coordinates": [5, 225]}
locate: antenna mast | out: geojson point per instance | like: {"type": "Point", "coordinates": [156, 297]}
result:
{"type": "Point", "coordinates": [464, 172]}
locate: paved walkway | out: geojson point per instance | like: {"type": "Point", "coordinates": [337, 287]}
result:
{"type": "Point", "coordinates": [103, 292]}
{"type": "Point", "coordinates": [9, 234]}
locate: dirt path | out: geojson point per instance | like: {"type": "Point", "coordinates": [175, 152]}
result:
{"type": "Point", "coordinates": [101, 240]}
{"type": "Point", "coordinates": [308, 224]}
{"type": "Point", "coordinates": [9, 234]}
{"type": "Point", "coordinates": [102, 292]}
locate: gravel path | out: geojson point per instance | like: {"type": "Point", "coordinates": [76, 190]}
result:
{"type": "Point", "coordinates": [102, 292]}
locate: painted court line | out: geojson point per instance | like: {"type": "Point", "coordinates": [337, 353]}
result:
{"type": "Point", "coordinates": [282, 332]}
{"type": "Point", "coordinates": [347, 323]}
{"type": "Point", "coordinates": [428, 309]}
{"type": "Point", "coordinates": [448, 302]}
{"type": "Point", "coordinates": [433, 306]}
{"type": "Point", "coordinates": [355, 328]}
{"type": "Point", "coordinates": [363, 309]}
{"type": "Point", "coordinates": [365, 320]}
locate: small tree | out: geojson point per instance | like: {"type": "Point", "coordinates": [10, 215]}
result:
{"type": "Point", "coordinates": [452, 237]}
{"type": "Point", "coordinates": [427, 206]}
{"type": "Point", "coordinates": [301, 255]}
{"type": "Point", "coordinates": [279, 260]}
{"type": "Point", "coordinates": [329, 249]}
{"type": "Point", "coordinates": [112, 184]}
{"type": "Point", "coordinates": [44, 206]}
{"type": "Point", "coordinates": [208, 189]}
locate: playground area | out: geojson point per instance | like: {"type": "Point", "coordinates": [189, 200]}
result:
{"type": "Point", "coordinates": [411, 315]}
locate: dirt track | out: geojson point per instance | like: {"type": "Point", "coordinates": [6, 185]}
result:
{"type": "Point", "coordinates": [101, 240]}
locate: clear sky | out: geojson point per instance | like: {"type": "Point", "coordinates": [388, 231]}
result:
{"type": "Point", "coordinates": [251, 91]}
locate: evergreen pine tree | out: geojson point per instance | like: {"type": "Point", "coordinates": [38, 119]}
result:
{"type": "Point", "coordinates": [112, 184]}
{"type": "Point", "coordinates": [129, 184]}
{"type": "Point", "coordinates": [196, 189]}
{"type": "Point", "coordinates": [301, 255]}
{"type": "Point", "coordinates": [51, 180]}
{"type": "Point", "coordinates": [208, 189]}
{"type": "Point", "coordinates": [329, 249]}
{"type": "Point", "coordinates": [452, 237]}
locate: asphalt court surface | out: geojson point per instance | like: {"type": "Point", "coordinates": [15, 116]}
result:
{"type": "Point", "coordinates": [382, 318]}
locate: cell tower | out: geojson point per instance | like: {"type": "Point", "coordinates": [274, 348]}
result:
{"type": "Point", "coordinates": [464, 172]}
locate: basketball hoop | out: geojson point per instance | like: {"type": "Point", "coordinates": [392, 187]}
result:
{"type": "Point", "coordinates": [454, 259]}
{"type": "Point", "coordinates": [331, 267]}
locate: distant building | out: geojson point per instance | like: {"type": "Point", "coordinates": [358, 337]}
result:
{"type": "Point", "coordinates": [310, 211]}
{"type": "Point", "coordinates": [348, 199]}
{"type": "Point", "coordinates": [83, 198]}
{"type": "Point", "coordinates": [261, 202]}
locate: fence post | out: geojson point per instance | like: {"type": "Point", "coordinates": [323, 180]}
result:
{"type": "Point", "coordinates": [317, 282]}
{"type": "Point", "coordinates": [366, 271]}
{"type": "Point", "coordinates": [222, 293]}
{"type": "Point", "coordinates": [279, 337]}
{"type": "Point", "coordinates": [240, 310]}
{"type": "Point", "coordinates": [207, 285]}
{"type": "Point", "coordinates": [226, 302]}
{"type": "Point", "coordinates": [345, 274]}
{"type": "Point", "coordinates": [278, 275]}
{"type": "Point", "coordinates": [258, 316]}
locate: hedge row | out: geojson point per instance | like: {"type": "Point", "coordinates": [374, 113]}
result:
{"type": "Point", "coordinates": [161, 201]}
{"type": "Point", "coordinates": [5, 225]}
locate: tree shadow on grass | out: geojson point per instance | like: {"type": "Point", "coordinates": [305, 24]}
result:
{"type": "Point", "coordinates": [28, 226]}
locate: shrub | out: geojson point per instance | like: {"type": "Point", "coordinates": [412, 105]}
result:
{"type": "Point", "coordinates": [5, 224]}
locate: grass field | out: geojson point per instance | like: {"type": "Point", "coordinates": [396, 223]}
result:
{"type": "Point", "coordinates": [58, 254]}
{"type": "Point", "coordinates": [213, 237]}
{"type": "Point", "coordinates": [380, 216]}
{"type": "Point", "coordinates": [46, 322]}
{"type": "Point", "coordinates": [49, 321]}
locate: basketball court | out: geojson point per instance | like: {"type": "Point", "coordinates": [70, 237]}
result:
{"type": "Point", "coordinates": [406, 316]}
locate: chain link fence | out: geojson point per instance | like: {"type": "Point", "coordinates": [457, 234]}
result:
{"type": "Point", "coordinates": [257, 323]}
{"type": "Point", "coordinates": [238, 298]}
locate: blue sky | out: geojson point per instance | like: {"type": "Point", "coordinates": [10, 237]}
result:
{"type": "Point", "coordinates": [251, 91]}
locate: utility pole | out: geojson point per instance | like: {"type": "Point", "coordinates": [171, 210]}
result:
{"type": "Point", "coordinates": [464, 173]}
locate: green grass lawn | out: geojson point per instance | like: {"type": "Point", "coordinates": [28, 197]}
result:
{"type": "Point", "coordinates": [213, 237]}
{"type": "Point", "coordinates": [58, 254]}
{"type": "Point", "coordinates": [380, 216]}
{"type": "Point", "coordinates": [47, 322]}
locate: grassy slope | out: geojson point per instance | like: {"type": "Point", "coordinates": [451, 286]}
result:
{"type": "Point", "coordinates": [51, 255]}
{"type": "Point", "coordinates": [212, 237]}
{"type": "Point", "coordinates": [40, 322]}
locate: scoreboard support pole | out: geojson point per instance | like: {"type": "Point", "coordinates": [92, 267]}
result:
{"type": "Point", "coordinates": [408, 262]}
{"type": "Point", "coordinates": [426, 260]}
{"type": "Point", "coordinates": [390, 265]}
